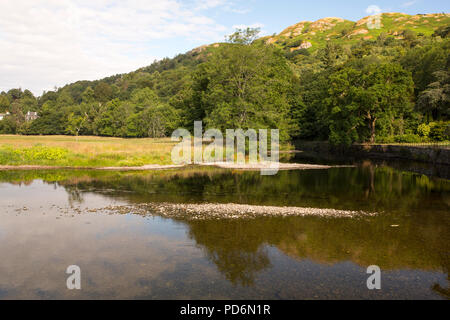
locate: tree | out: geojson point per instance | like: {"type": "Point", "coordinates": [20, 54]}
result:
{"type": "Point", "coordinates": [244, 36]}
{"type": "Point", "coordinates": [435, 100]}
{"type": "Point", "coordinates": [112, 122]}
{"type": "Point", "coordinates": [4, 103]}
{"type": "Point", "coordinates": [52, 120]}
{"type": "Point", "coordinates": [332, 55]}
{"type": "Point", "coordinates": [144, 98]}
{"type": "Point", "coordinates": [77, 119]}
{"type": "Point", "coordinates": [423, 62]}
{"type": "Point", "coordinates": [88, 95]}
{"type": "Point", "coordinates": [243, 86]}
{"type": "Point", "coordinates": [15, 94]}
{"type": "Point", "coordinates": [366, 95]}
{"type": "Point", "coordinates": [65, 99]}
{"type": "Point", "coordinates": [103, 92]}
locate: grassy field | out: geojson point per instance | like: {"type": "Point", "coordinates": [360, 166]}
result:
{"type": "Point", "coordinates": [83, 151]}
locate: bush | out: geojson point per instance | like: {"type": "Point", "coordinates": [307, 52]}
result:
{"type": "Point", "coordinates": [408, 138]}
{"type": "Point", "coordinates": [440, 131]}
{"type": "Point", "coordinates": [384, 140]}
{"type": "Point", "coordinates": [424, 130]}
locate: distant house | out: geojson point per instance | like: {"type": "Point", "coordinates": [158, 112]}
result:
{"type": "Point", "coordinates": [30, 116]}
{"type": "Point", "coordinates": [2, 115]}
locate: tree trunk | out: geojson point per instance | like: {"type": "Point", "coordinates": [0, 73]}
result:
{"type": "Point", "coordinates": [372, 130]}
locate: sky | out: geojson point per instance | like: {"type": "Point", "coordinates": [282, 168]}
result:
{"type": "Point", "coordinates": [49, 43]}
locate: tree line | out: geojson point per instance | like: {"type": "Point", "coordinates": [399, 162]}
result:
{"type": "Point", "coordinates": [381, 90]}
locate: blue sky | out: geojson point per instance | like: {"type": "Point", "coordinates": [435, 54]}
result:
{"type": "Point", "coordinates": [47, 43]}
{"type": "Point", "coordinates": [276, 15]}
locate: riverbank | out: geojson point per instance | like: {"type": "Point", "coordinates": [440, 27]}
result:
{"type": "Point", "coordinates": [86, 152]}
{"type": "Point", "coordinates": [432, 154]}
{"type": "Point", "coordinates": [109, 154]}
{"type": "Point", "coordinates": [156, 167]}
{"type": "Point", "coordinates": [100, 153]}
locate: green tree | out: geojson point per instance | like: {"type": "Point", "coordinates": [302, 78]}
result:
{"type": "Point", "coordinates": [4, 103]}
{"type": "Point", "coordinates": [244, 86]}
{"type": "Point", "coordinates": [103, 92]}
{"type": "Point", "coordinates": [88, 95]}
{"type": "Point", "coordinates": [435, 100]}
{"type": "Point", "coordinates": [364, 96]}
{"type": "Point", "coordinates": [244, 36]}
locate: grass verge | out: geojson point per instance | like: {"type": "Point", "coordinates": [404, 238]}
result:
{"type": "Point", "coordinates": [67, 151]}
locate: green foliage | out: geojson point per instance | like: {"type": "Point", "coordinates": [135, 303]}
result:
{"type": "Point", "coordinates": [103, 92]}
{"type": "Point", "coordinates": [435, 100]}
{"type": "Point", "coordinates": [243, 86]}
{"type": "Point", "coordinates": [244, 36]}
{"type": "Point", "coordinates": [4, 103]}
{"type": "Point", "coordinates": [359, 98]}
{"type": "Point", "coordinates": [440, 131]}
{"type": "Point", "coordinates": [442, 32]}
{"type": "Point", "coordinates": [9, 154]}
{"type": "Point", "coordinates": [8, 125]}
{"type": "Point", "coordinates": [424, 130]}
{"type": "Point", "coordinates": [407, 138]}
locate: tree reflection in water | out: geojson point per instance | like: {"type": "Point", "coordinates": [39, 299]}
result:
{"type": "Point", "coordinates": [239, 248]}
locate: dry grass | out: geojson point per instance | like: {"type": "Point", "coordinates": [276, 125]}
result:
{"type": "Point", "coordinates": [88, 151]}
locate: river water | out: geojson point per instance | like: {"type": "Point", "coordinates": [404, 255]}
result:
{"type": "Point", "coordinates": [50, 220]}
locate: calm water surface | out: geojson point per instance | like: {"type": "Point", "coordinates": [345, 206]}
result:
{"type": "Point", "coordinates": [52, 219]}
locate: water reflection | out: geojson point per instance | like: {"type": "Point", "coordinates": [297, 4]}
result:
{"type": "Point", "coordinates": [286, 258]}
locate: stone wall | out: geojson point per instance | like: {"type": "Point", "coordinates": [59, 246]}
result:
{"type": "Point", "coordinates": [435, 155]}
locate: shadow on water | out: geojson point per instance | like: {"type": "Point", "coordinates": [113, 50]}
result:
{"type": "Point", "coordinates": [411, 231]}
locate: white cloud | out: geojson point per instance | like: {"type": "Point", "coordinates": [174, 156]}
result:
{"type": "Point", "coordinates": [53, 42]}
{"type": "Point", "coordinates": [208, 4]}
{"type": "Point", "coordinates": [373, 9]}
{"type": "Point", "coordinates": [245, 26]}
{"type": "Point", "coordinates": [409, 3]}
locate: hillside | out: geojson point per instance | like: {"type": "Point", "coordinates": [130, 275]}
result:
{"type": "Point", "coordinates": [332, 79]}
{"type": "Point", "coordinates": [314, 35]}
{"type": "Point", "coordinates": [303, 35]}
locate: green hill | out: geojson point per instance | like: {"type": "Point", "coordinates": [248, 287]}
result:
{"type": "Point", "coordinates": [314, 35]}
{"type": "Point", "coordinates": [330, 79]}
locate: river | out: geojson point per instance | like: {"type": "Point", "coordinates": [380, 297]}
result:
{"type": "Point", "coordinates": [52, 219]}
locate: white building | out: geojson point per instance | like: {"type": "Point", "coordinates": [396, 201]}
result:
{"type": "Point", "coordinates": [30, 116]}
{"type": "Point", "coordinates": [2, 115]}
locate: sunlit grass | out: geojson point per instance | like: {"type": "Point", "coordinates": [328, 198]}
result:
{"type": "Point", "coordinates": [83, 151]}
{"type": "Point", "coordinates": [87, 151]}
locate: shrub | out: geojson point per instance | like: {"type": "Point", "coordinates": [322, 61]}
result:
{"type": "Point", "coordinates": [440, 131]}
{"type": "Point", "coordinates": [384, 140]}
{"type": "Point", "coordinates": [408, 138]}
{"type": "Point", "coordinates": [424, 130]}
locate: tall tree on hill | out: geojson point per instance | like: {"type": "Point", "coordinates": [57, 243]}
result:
{"type": "Point", "coordinates": [244, 86]}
